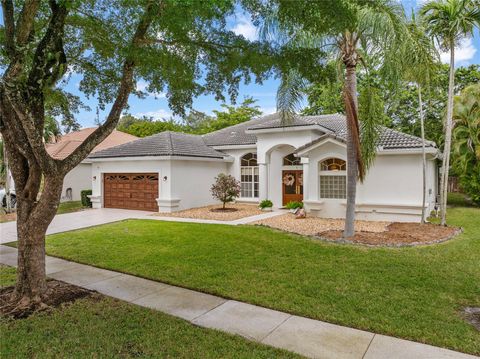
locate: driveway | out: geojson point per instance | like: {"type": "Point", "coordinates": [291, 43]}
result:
{"type": "Point", "coordinates": [94, 217]}
{"type": "Point", "coordinates": [75, 220]}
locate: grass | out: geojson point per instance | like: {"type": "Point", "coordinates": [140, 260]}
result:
{"type": "Point", "coordinates": [413, 293]}
{"type": "Point", "coordinates": [64, 207]}
{"type": "Point", "coordinates": [457, 199]}
{"type": "Point", "coordinates": [7, 276]}
{"type": "Point", "coordinates": [70, 206]}
{"type": "Point", "coordinates": [101, 327]}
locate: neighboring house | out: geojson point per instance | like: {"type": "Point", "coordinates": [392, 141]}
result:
{"type": "Point", "coordinates": [304, 160]}
{"type": "Point", "coordinates": [80, 178]}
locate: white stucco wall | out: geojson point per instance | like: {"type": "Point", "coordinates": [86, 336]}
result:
{"type": "Point", "coordinates": [192, 180]}
{"type": "Point", "coordinates": [78, 179]}
{"type": "Point", "coordinates": [392, 189]}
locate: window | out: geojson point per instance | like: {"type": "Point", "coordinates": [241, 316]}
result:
{"type": "Point", "coordinates": [249, 177]}
{"type": "Point", "coordinates": [333, 183]}
{"type": "Point", "coordinates": [291, 160]}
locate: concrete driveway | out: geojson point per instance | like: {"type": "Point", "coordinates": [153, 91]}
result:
{"type": "Point", "coordinates": [75, 220]}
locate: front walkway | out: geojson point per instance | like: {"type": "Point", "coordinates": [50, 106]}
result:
{"type": "Point", "coordinates": [308, 337]}
{"type": "Point", "coordinates": [94, 217]}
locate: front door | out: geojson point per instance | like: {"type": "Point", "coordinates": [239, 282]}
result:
{"type": "Point", "coordinates": [292, 184]}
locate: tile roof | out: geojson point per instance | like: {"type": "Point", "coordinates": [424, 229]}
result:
{"type": "Point", "coordinates": [181, 144]}
{"type": "Point", "coordinates": [163, 144]}
{"type": "Point", "coordinates": [334, 124]}
{"type": "Point", "coordinates": [69, 142]}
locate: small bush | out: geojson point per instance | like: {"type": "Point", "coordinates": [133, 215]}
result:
{"type": "Point", "coordinates": [266, 203]}
{"type": "Point", "coordinates": [294, 205]}
{"type": "Point", "coordinates": [85, 200]}
{"type": "Point", "coordinates": [226, 188]}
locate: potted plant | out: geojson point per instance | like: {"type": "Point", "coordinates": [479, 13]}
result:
{"type": "Point", "coordinates": [294, 206]}
{"type": "Point", "coordinates": [266, 205]}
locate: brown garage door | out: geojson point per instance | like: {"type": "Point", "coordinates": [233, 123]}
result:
{"type": "Point", "coordinates": [131, 191]}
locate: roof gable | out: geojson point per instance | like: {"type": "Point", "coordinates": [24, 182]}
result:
{"type": "Point", "coordinates": [163, 144]}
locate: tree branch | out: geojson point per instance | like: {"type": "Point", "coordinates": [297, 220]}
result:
{"type": "Point", "coordinates": [25, 21]}
{"type": "Point", "coordinates": [9, 22]}
{"type": "Point", "coordinates": [126, 87]}
{"type": "Point", "coordinates": [49, 60]}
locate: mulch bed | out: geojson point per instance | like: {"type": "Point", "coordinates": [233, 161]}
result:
{"type": "Point", "coordinates": [58, 294]}
{"type": "Point", "coordinates": [398, 234]}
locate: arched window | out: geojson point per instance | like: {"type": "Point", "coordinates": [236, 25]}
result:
{"type": "Point", "coordinates": [291, 160]}
{"type": "Point", "coordinates": [249, 177]}
{"type": "Point", "coordinates": [333, 178]}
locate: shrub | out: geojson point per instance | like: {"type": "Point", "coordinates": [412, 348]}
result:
{"type": "Point", "coordinates": [226, 188]}
{"type": "Point", "coordinates": [266, 203]}
{"type": "Point", "coordinates": [294, 205]}
{"type": "Point", "coordinates": [85, 200]}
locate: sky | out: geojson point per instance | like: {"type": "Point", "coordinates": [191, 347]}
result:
{"type": "Point", "coordinates": [155, 105]}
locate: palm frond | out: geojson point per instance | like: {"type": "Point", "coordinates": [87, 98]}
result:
{"type": "Point", "coordinates": [290, 94]}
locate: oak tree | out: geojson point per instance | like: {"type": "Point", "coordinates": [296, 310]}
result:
{"type": "Point", "coordinates": [181, 48]}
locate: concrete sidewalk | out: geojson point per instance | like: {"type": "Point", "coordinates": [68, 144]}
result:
{"type": "Point", "coordinates": [94, 217]}
{"type": "Point", "coordinates": [311, 338]}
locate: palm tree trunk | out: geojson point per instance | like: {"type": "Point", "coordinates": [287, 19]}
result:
{"type": "Point", "coordinates": [424, 159]}
{"type": "Point", "coordinates": [350, 88]}
{"type": "Point", "coordinates": [448, 137]}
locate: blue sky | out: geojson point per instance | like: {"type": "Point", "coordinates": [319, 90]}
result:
{"type": "Point", "coordinates": [156, 105]}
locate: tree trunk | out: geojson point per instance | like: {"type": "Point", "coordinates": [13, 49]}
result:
{"type": "Point", "coordinates": [33, 218]}
{"type": "Point", "coordinates": [424, 159]}
{"type": "Point", "coordinates": [448, 138]}
{"type": "Point", "coordinates": [350, 88]}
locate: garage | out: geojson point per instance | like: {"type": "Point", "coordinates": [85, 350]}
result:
{"type": "Point", "coordinates": [131, 191]}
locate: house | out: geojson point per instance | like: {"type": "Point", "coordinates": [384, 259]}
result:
{"type": "Point", "coordinates": [304, 160]}
{"type": "Point", "coordinates": [80, 178]}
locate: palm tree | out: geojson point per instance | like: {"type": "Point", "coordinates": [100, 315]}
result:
{"type": "Point", "coordinates": [466, 140]}
{"type": "Point", "coordinates": [418, 62]}
{"type": "Point", "coordinates": [370, 30]}
{"type": "Point", "coordinates": [449, 21]}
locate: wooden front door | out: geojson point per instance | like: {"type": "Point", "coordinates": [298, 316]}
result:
{"type": "Point", "coordinates": [292, 184]}
{"type": "Point", "coordinates": [131, 191]}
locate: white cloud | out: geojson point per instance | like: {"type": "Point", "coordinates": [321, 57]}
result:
{"type": "Point", "coordinates": [142, 86]}
{"type": "Point", "coordinates": [159, 114]}
{"type": "Point", "coordinates": [268, 110]}
{"type": "Point", "coordinates": [245, 28]}
{"type": "Point", "coordinates": [463, 53]}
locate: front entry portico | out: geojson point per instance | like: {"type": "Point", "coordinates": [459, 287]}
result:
{"type": "Point", "coordinates": [292, 186]}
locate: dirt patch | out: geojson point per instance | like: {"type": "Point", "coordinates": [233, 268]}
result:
{"type": "Point", "coordinates": [235, 211]}
{"type": "Point", "coordinates": [398, 234]}
{"type": "Point", "coordinates": [58, 294]}
{"type": "Point", "coordinates": [472, 315]}
{"type": "Point", "coordinates": [311, 226]}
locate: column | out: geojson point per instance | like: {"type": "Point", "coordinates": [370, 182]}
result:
{"type": "Point", "coordinates": [263, 181]}
{"type": "Point", "coordinates": [306, 177]}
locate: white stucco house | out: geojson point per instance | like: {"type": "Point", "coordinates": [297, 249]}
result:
{"type": "Point", "coordinates": [302, 161]}
{"type": "Point", "coordinates": [80, 178]}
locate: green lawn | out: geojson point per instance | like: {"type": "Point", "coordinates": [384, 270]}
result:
{"type": "Point", "coordinates": [70, 206]}
{"type": "Point", "coordinates": [413, 293]}
{"type": "Point", "coordinates": [102, 327]}
{"type": "Point", "coordinates": [64, 207]}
